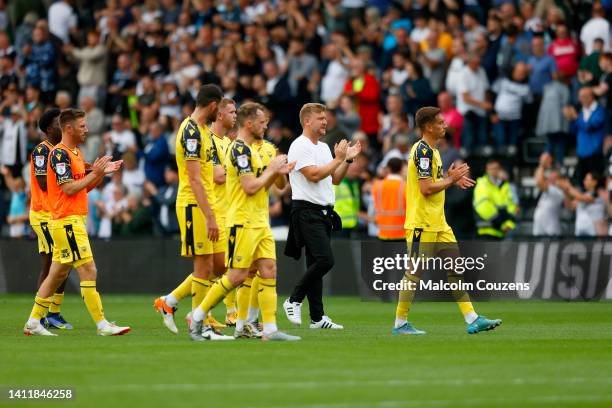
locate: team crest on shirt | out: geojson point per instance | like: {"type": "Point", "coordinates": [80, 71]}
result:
{"type": "Point", "coordinates": [424, 163]}
{"type": "Point", "coordinates": [192, 145]}
{"type": "Point", "coordinates": [243, 161]}
{"type": "Point", "coordinates": [60, 168]}
{"type": "Point", "coordinates": [40, 161]}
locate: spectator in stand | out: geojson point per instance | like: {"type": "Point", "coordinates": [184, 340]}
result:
{"type": "Point", "coordinates": [458, 208]}
{"type": "Point", "coordinates": [399, 126]}
{"type": "Point", "coordinates": [459, 60]}
{"type": "Point", "coordinates": [452, 117]}
{"type": "Point", "coordinates": [471, 27]}
{"type": "Point", "coordinates": [395, 75]}
{"type": "Point", "coordinates": [120, 138]}
{"type": "Point", "coordinates": [110, 207]}
{"type": "Point", "coordinates": [92, 60]}
{"type": "Point", "coordinates": [14, 136]}
{"type": "Point", "coordinates": [63, 100]}
{"type": "Point", "coordinates": [364, 87]}
{"type": "Point", "coordinates": [590, 207]}
{"type": "Point", "coordinates": [473, 105]}
{"type": "Point", "coordinates": [156, 155]}
{"type": "Point", "coordinates": [121, 86]}
{"type": "Point", "coordinates": [338, 54]}
{"type": "Point", "coordinates": [509, 53]}
{"type": "Point", "coordinates": [547, 215]}
{"type": "Point", "coordinates": [299, 65]}
{"type": "Point", "coordinates": [18, 210]}
{"type": "Point", "coordinates": [589, 128]}
{"type": "Point", "coordinates": [135, 218]}
{"type": "Point", "coordinates": [349, 120]}
{"type": "Point", "coordinates": [565, 51]}
{"type": "Point", "coordinates": [542, 67]}
{"type": "Point", "coordinates": [512, 93]}
{"type": "Point", "coordinates": [133, 177]}
{"type": "Point", "coordinates": [552, 123]}
{"type": "Point", "coordinates": [334, 133]}
{"type": "Point", "coordinates": [597, 27]}
{"type": "Point", "coordinates": [62, 20]}
{"type": "Point", "coordinates": [448, 153]}
{"type": "Point", "coordinates": [400, 150]}
{"type": "Point", "coordinates": [164, 201]}
{"type": "Point", "coordinates": [604, 89]}
{"type": "Point", "coordinates": [279, 94]}
{"type": "Point", "coordinates": [416, 91]}
{"type": "Point", "coordinates": [40, 61]}
{"type": "Point", "coordinates": [433, 62]}
{"type": "Point", "coordinates": [94, 118]}
{"type": "Point", "coordinates": [589, 71]}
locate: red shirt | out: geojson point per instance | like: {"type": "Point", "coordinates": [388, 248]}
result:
{"type": "Point", "coordinates": [368, 104]}
{"type": "Point", "coordinates": [566, 53]}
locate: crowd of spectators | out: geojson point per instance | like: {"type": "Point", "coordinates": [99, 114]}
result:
{"type": "Point", "coordinates": [504, 73]}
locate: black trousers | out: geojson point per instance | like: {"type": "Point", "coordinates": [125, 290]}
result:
{"type": "Point", "coordinates": [315, 229]}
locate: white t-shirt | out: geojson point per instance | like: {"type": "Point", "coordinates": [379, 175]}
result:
{"type": "Point", "coordinates": [596, 27]}
{"type": "Point", "coordinates": [305, 153]}
{"type": "Point", "coordinates": [476, 85]}
{"type": "Point", "coordinates": [61, 19]}
{"type": "Point", "coordinates": [547, 215]}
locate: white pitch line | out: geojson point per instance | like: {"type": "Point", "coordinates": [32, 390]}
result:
{"type": "Point", "coordinates": [237, 385]}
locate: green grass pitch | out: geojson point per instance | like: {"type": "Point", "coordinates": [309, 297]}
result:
{"type": "Point", "coordinates": [545, 354]}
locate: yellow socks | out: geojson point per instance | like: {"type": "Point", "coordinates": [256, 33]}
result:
{"type": "Point", "coordinates": [92, 300]}
{"type": "Point", "coordinates": [230, 300]}
{"type": "Point", "coordinates": [41, 306]}
{"type": "Point", "coordinates": [411, 283]}
{"type": "Point", "coordinates": [462, 298]}
{"type": "Point", "coordinates": [267, 300]}
{"type": "Point", "coordinates": [243, 294]}
{"type": "Point", "coordinates": [56, 304]}
{"type": "Point", "coordinates": [183, 290]}
{"type": "Point", "coordinates": [254, 300]}
{"type": "Point", "coordinates": [199, 289]}
{"type": "Point", "coordinates": [213, 297]}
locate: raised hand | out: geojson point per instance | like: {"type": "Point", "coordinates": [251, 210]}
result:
{"type": "Point", "coordinates": [457, 172]}
{"type": "Point", "coordinates": [277, 163]}
{"type": "Point", "coordinates": [465, 182]}
{"type": "Point", "coordinates": [287, 167]}
{"type": "Point", "coordinates": [341, 148]}
{"type": "Point", "coordinates": [100, 164]}
{"type": "Point", "coordinates": [113, 167]}
{"type": "Point", "coordinates": [353, 151]}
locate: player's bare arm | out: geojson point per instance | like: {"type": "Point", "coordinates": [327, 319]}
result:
{"type": "Point", "coordinates": [197, 186]}
{"type": "Point", "coordinates": [278, 166]}
{"type": "Point", "coordinates": [100, 168]}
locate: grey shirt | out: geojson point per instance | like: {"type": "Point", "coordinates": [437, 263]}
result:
{"type": "Point", "coordinates": [547, 215]}
{"type": "Point", "coordinates": [550, 117]}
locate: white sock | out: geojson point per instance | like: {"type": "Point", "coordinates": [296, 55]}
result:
{"type": "Point", "coordinates": [400, 322]}
{"type": "Point", "coordinates": [253, 314]}
{"type": "Point", "coordinates": [102, 324]}
{"type": "Point", "coordinates": [32, 321]}
{"type": "Point", "coordinates": [269, 328]}
{"type": "Point", "coordinates": [232, 310]}
{"type": "Point", "coordinates": [471, 317]}
{"type": "Point", "coordinates": [171, 300]}
{"type": "Point", "coordinates": [240, 324]}
{"type": "Point", "coordinates": [198, 314]}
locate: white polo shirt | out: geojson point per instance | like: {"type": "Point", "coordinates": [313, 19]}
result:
{"type": "Point", "coordinates": [306, 153]}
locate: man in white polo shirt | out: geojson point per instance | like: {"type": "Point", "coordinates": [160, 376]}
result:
{"type": "Point", "coordinates": [312, 214]}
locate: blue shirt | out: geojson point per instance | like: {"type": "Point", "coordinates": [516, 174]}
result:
{"type": "Point", "coordinates": [542, 69]}
{"type": "Point", "coordinates": [18, 204]}
{"type": "Point", "coordinates": [590, 134]}
{"type": "Point", "coordinates": [156, 157]}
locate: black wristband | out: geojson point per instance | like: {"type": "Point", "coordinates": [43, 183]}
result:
{"type": "Point", "coordinates": [349, 161]}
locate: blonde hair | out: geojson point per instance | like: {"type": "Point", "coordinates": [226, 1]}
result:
{"type": "Point", "coordinates": [310, 108]}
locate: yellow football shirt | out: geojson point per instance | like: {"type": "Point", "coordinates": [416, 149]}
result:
{"type": "Point", "coordinates": [426, 213]}
{"type": "Point", "coordinates": [221, 203]}
{"type": "Point", "coordinates": [247, 211]}
{"type": "Point", "coordinates": [266, 150]}
{"type": "Point", "coordinates": [194, 142]}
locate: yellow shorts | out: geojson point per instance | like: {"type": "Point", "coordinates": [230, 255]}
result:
{"type": "Point", "coordinates": [429, 243]}
{"type": "Point", "coordinates": [221, 244]}
{"type": "Point", "coordinates": [246, 245]}
{"type": "Point", "coordinates": [70, 240]}
{"type": "Point", "coordinates": [39, 220]}
{"type": "Point", "coordinates": [194, 234]}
